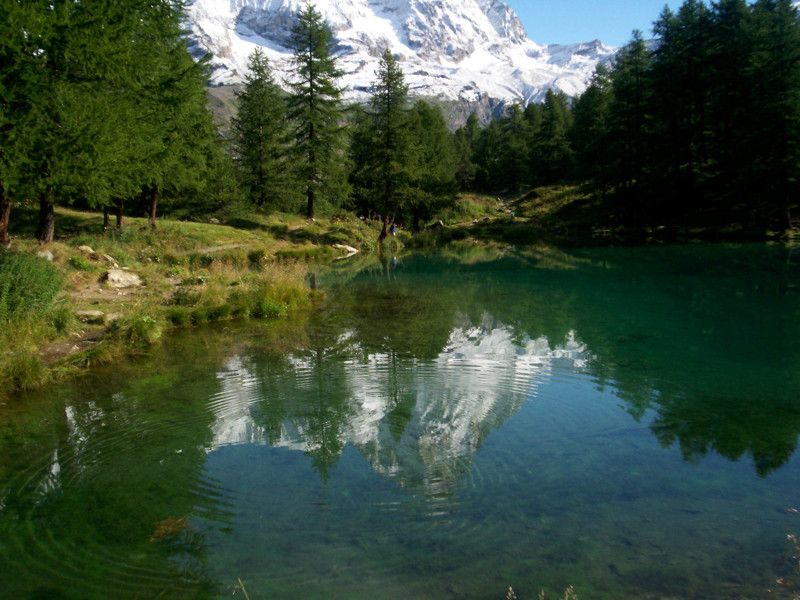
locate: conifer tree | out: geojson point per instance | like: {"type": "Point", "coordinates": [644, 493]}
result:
{"type": "Point", "coordinates": [434, 184]}
{"type": "Point", "coordinates": [681, 85]}
{"type": "Point", "coordinates": [554, 155]}
{"type": "Point", "coordinates": [260, 133]}
{"type": "Point", "coordinates": [514, 149]}
{"type": "Point", "coordinates": [590, 131]}
{"type": "Point", "coordinates": [94, 95]}
{"type": "Point", "coordinates": [392, 143]}
{"type": "Point", "coordinates": [776, 91]}
{"type": "Point", "coordinates": [629, 124]}
{"type": "Point", "coordinates": [465, 140]}
{"type": "Point", "coordinates": [488, 156]}
{"type": "Point", "coordinates": [315, 107]}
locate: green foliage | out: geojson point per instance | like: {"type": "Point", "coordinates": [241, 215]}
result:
{"type": "Point", "coordinates": [382, 150]}
{"type": "Point", "coordinates": [80, 263]}
{"type": "Point", "coordinates": [137, 328]}
{"type": "Point", "coordinates": [23, 371]}
{"type": "Point", "coordinates": [261, 137]}
{"type": "Point", "coordinates": [100, 102]}
{"type": "Point", "coordinates": [178, 315]}
{"type": "Point", "coordinates": [315, 110]}
{"type": "Point", "coordinates": [27, 284]}
{"type": "Point", "coordinates": [434, 181]}
{"type": "Point", "coordinates": [705, 128]}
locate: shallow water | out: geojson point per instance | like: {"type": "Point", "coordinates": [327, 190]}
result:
{"type": "Point", "coordinates": [622, 421]}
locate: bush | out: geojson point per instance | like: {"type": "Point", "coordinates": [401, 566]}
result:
{"type": "Point", "coordinates": [63, 319]}
{"type": "Point", "coordinates": [80, 263]}
{"type": "Point", "coordinates": [137, 329]}
{"type": "Point", "coordinates": [179, 315]}
{"type": "Point", "coordinates": [27, 283]}
{"type": "Point", "coordinates": [268, 308]}
{"type": "Point", "coordinates": [201, 314]}
{"type": "Point", "coordinates": [22, 371]}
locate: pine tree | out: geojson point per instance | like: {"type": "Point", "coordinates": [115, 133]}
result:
{"type": "Point", "coordinates": [315, 107]}
{"type": "Point", "coordinates": [590, 131]}
{"type": "Point", "coordinates": [465, 141]}
{"type": "Point", "coordinates": [681, 88]}
{"type": "Point", "coordinates": [178, 126]}
{"type": "Point", "coordinates": [434, 184]}
{"type": "Point", "coordinates": [487, 157]}
{"type": "Point", "coordinates": [392, 143]}
{"type": "Point", "coordinates": [361, 155]}
{"type": "Point", "coordinates": [514, 149]}
{"type": "Point", "coordinates": [84, 90]}
{"type": "Point", "coordinates": [552, 149]}
{"type": "Point", "coordinates": [260, 135]}
{"type": "Point", "coordinates": [630, 120]}
{"type": "Point", "coordinates": [776, 113]}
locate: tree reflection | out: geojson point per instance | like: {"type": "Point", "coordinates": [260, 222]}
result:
{"type": "Point", "coordinates": [106, 486]}
{"type": "Point", "coordinates": [703, 336]}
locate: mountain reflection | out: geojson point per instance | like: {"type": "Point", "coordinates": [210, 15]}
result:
{"type": "Point", "coordinates": [417, 421]}
{"type": "Point", "coordinates": [698, 342]}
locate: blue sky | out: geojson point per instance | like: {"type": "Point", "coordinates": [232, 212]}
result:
{"type": "Point", "coordinates": [568, 21]}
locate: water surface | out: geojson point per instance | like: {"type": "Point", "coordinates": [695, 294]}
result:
{"type": "Point", "coordinates": [623, 421]}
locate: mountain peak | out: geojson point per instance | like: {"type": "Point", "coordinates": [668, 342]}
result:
{"type": "Point", "coordinates": [452, 49]}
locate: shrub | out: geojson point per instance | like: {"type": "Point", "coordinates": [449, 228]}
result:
{"type": "Point", "coordinates": [201, 314]}
{"type": "Point", "coordinates": [63, 318]}
{"type": "Point", "coordinates": [268, 308]}
{"type": "Point", "coordinates": [179, 315]}
{"type": "Point", "coordinates": [27, 283]}
{"type": "Point", "coordinates": [137, 329]}
{"type": "Point", "coordinates": [223, 311]}
{"type": "Point", "coordinates": [23, 371]}
{"type": "Point", "coordinates": [197, 259]}
{"type": "Point", "coordinates": [257, 257]}
{"type": "Point", "coordinates": [80, 263]}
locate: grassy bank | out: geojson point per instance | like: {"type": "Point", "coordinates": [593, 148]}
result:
{"type": "Point", "coordinates": [61, 312]}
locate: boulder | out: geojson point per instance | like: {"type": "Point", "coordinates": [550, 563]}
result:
{"type": "Point", "coordinates": [117, 278]}
{"type": "Point", "coordinates": [45, 254]}
{"type": "Point", "coordinates": [86, 249]}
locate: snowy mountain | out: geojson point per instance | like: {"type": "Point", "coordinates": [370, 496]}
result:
{"type": "Point", "coordinates": [479, 380]}
{"type": "Point", "coordinates": [451, 49]}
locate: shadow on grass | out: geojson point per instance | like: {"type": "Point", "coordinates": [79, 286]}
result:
{"type": "Point", "coordinates": [25, 221]}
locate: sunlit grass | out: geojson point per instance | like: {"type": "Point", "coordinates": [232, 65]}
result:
{"type": "Point", "coordinates": [252, 266]}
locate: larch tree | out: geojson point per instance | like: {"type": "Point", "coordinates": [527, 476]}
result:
{"type": "Point", "coordinates": [392, 142]}
{"type": "Point", "coordinates": [260, 133]}
{"type": "Point", "coordinates": [315, 107]}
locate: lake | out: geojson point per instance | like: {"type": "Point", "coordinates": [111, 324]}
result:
{"type": "Point", "coordinates": [623, 421]}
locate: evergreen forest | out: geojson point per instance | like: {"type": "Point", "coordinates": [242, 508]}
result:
{"type": "Point", "coordinates": [103, 107]}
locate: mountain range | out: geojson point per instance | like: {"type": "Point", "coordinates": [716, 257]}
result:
{"type": "Point", "coordinates": [455, 50]}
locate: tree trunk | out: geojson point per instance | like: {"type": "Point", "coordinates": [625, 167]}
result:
{"type": "Point", "coordinates": [106, 217]}
{"type": "Point", "coordinates": [384, 230]}
{"type": "Point", "coordinates": [47, 219]}
{"type": "Point", "coordinates": [120, 212]}
{"type": "Point", "coordinates": [153, 204]}
{"type": "Point", "coordinates": [5, 215]}
{"type": "Point", "coordinates": [310, 208]}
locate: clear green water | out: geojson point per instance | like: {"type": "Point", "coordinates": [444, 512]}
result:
{"type": "Point", "coordinates": [623, 421]}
